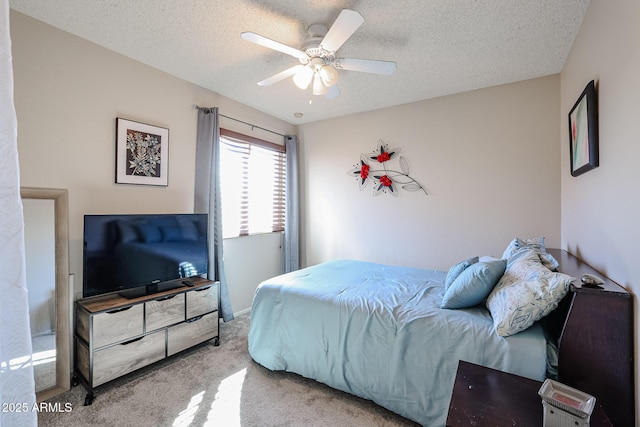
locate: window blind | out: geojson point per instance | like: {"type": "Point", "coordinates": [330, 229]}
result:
{"type": "Point", "coordinates": [252, 175]}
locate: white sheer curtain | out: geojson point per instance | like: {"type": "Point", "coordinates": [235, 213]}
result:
{"type": "Point", "coordinates": [291, 249]}
{"type": "Point", "coordinates": [17, 386]}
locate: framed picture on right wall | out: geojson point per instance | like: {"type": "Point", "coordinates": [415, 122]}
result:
{"type": "Point", "coordinates": [583, 132]}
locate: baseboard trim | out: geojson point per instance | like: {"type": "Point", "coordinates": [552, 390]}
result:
{"type": "Point", "coordinates": [241, 312]}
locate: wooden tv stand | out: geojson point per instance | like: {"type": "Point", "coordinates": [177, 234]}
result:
{"type": "Point", "coordinates": [115, 335]}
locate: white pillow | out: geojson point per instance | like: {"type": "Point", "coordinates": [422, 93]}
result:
{"type": "Point", "coordinates": [526, 293]}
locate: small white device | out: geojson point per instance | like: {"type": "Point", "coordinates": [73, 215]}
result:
{"type": "Point", "coordinates": [564, 406]}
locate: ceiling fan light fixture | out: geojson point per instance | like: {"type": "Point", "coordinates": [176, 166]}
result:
{"type": "Point", "coordinates": [329, 75]}
{"type": "Point", "coordinates": [303, 77]}
{"type": "Point", "coordinates": [318, 86]}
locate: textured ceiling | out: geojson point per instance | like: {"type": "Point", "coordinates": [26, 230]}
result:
{"type": "Point", "coordinates": [441, 46]}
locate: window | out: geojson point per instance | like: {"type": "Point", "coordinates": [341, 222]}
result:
{"type": "Point", "coordinates": [252, 181]}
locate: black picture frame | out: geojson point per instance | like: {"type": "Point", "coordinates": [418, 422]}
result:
{"type": "Point", "coordinates": [583, 132]}
{"type": "Point", "coordinates": [142, 153]}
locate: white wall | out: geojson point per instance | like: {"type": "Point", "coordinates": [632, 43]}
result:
{"type": "Point", "coordinates": [249, 261]}
{"type": "Point", "coordinates": [489, 158]}
{"type": "Point", "coordinates": [68, 93]}
{"type": "Point", "coordinates": [600, 209]}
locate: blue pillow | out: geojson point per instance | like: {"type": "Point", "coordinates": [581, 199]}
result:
{"type": "Point", "coordinates": [189, 230]}
{"type": "Point", "coordinates": [128, 234]}
{"type": "Point", "coordinates": [150, 233]}
{"type": "Point", "coordinates": [171, 234]}
{"type": "Point", "coordinates": [457, 269]}
{"type": "Point", "coordinates": [474, 284]}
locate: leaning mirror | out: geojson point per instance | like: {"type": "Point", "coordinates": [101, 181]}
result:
{"type": "Point", "coordinates": [47, 270]}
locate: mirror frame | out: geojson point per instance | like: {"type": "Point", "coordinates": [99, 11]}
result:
{"type": "Point", "coordinates": [63, 295]}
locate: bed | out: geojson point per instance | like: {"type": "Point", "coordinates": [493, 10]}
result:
{"type": "Point", "coordinates": [379, 332]}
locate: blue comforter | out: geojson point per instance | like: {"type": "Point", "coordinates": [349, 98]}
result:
{"type": "Point", "coordinates": [377, 332]}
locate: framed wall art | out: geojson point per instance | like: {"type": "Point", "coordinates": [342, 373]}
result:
{"type": "Point", "coordinates": [583, 132]}
{"type": "Point", "coordinates": [142, 153]}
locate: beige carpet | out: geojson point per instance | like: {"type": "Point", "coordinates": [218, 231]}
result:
{"type": "Point", "coordinates": [216, 386]}
{"type": "Point", "coordinates": [44, 360]}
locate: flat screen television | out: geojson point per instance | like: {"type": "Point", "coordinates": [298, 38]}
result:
{"type": "Point", "coordinates": [136, 255]}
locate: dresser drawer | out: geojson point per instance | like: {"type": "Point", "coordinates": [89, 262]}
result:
{"type": "Point", "coordinates": [164, 311]}
{"type": "Point", "coordinates": [118, 325]}
{"type": "Point", "coordinates": [192, 332]}
{"type": "Point", "coordinates": [202, 301]}
{"type": "Point", "coordinates": [83, 360]}
{"type": "Point", "coordinates": [112, 362]}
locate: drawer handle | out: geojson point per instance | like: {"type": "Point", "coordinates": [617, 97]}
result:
{"type": "Point", "coordinates": [166, 298]}
{"type": "Point", "coordinates": [202, 289]}
{"type": "Point", "coordinates": [195, 319]}
{"type": "Point", "coordinates": [119, 310]}
{"type": "Point", "coordinates": [131, 341]}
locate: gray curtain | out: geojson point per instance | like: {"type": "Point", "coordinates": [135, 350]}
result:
{"type": "Point", "coordinates": [291, 247]}
{"type": "Point", "coordinates": [207, 198]}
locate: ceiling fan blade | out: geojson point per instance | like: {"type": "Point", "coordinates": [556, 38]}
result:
{"type": "Point", "coordinates": [332, 92]}
{"type": "Point", "coordinates": [366, 65]}
{"type": "Point", "coordinates": [345, 25]}
{"type": "Point", "coordinates": [272, 44]}
{"type": "Point", "coordinates": [280, 76]}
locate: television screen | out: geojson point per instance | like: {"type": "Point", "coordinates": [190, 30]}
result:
{"type": "Point", "coordinates": [141, 254]}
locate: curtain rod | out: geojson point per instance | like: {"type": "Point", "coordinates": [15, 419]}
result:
{"type": "Point", "coordinates": [197, 107]}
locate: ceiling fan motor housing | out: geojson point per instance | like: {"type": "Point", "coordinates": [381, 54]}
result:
{"type": "Point", "coordinates": [311, 46]}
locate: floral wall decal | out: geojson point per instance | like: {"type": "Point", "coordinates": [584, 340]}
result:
{"type": "Point", "coordinates": [373, 167]}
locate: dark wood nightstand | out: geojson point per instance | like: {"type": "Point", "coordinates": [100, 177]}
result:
{"type": "Point", "coordinates": [487, 397]}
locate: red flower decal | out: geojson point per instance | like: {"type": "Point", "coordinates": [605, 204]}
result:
{"type": "Point", "coordinates": [383, 157]}
{"type": "Point", "coordinates": [364, 172]}
{"type": "Point", "coordinates": [385, 179]}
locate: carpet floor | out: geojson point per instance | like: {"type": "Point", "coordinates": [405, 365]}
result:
{"type": "Point", "coordinates": [44, 360]}
{"type": "Point", "coordinates": [215, 386]}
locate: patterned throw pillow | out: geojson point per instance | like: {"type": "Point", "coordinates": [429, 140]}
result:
{"type": "Point", "coordinates": [526, 293]}
{"type": "Point", "coordinates": [536, 243]}
{"type": "Point", "coordinates": [458, 268]}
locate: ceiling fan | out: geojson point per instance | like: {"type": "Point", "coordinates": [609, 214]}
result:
{"type": "Point", "coordinates": [317, 56]}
